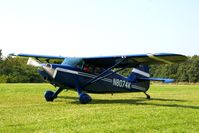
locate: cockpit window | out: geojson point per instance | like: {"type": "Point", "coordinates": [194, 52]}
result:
{"type": "Point", "coordinates": [79, 63]}
{"type": "Point", "coordinates": [74, 62]}
{"type": "Point", "coordinates": [92, 69]}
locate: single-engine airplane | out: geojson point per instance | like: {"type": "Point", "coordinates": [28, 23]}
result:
{"type": "Point", "coordinates": [98, 74]}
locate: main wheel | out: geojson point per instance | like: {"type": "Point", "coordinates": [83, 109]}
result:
{"type": "Point", "coordinates": [49, 95]}
{"type": "Point", "coordinates": [84, 98]}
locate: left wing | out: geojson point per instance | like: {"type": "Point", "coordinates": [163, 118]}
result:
{"type": "Point", "coordinates": [38, 56]}
{"type": "Point", "coordinates": [41, 58]}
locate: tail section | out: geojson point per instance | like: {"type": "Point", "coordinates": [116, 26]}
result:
{"type": "Point", "coordinates": [137, 74]}
{"type": "Point", "coordinates": [141, 77]}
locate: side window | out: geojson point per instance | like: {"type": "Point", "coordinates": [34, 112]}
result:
{"type": "Point", "coordinates": [97, 70]}
{"type": "Point", "coordinates": [92, 69]}
{"type": "Point", "coordinates": [88, 68]}
{"type": "Point", "coordinates": [80, 64]}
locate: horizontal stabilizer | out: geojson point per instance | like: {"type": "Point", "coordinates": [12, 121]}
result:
{"type": "Point", "coordinates": [159, 79]}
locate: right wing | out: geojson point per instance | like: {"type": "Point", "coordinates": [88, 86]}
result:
{"type": "Point", "coordinates": [135, 60]}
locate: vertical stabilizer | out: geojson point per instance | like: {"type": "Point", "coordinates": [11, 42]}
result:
{"type": "Point", "coordinates": [140, 72]}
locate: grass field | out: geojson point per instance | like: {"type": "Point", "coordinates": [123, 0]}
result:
{"type": "Point", "coordinates": [173, 108]}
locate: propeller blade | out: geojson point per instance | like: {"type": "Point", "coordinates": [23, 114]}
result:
{"type": "Point", "coordinates": [34, 62]}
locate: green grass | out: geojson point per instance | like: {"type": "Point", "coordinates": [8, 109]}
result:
{"type": "Point", "coordinates": [173, 108]}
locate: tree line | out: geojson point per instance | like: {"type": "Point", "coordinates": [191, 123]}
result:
{"type": "Point", "coordinates": [15, 70]}
{"type": "Point", "coordinates": [182, 72]}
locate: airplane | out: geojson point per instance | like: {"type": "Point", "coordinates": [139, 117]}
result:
{"type": "Point", "coordinates": [100, 74]}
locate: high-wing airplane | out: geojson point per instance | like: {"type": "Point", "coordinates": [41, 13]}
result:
{"type": "Point", "coordinates": [100, 74]}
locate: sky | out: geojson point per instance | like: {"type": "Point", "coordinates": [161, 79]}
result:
{"type": "Point", "coordinates": [99, 27]}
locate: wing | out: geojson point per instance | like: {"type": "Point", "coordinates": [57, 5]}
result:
{"type": "Point", "coordinates": [43, 58]}
{"type": "Point", "coordinates": [38, 56]}
{"type": "Point", "coordinates": [129, 60]}
{"type": "Point", "coordinates": [135, 60]}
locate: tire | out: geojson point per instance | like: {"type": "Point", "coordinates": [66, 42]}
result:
{"type": "Point", "coordinates": [49, 96]}
{"type": "Point", "coordinates": [84, 98]}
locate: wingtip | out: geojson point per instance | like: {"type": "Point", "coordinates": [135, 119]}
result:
{"type": "Point", "coordinates": [12, 54]}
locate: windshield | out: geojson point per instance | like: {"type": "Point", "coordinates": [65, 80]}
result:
{"type": "Point", "coordinates": [74, 62]}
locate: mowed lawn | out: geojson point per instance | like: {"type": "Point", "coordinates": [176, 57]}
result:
{"type": "Point", "coordinates": [173, 108]}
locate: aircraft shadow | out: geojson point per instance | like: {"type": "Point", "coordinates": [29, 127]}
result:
{"type": "Point", "coordinates": [166, 99]}
{"type": "Point", "coordinates": [67, 97]}
{"type": "Point", "coordinates": [144, 102]}
{"type": "Point", "coordinates": [138, 101]}
{"type": "Point", "coordinates": [132, 101]}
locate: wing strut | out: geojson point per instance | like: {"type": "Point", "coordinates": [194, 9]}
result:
{"type": "Point", "coordinates": [102, 76]}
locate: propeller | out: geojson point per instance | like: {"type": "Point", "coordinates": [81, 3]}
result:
{"type": "Point", "coordinates": [46, 67]}
{"type": "Point", "coordinates": [34, 62]}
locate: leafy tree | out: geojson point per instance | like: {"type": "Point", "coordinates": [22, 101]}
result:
{"type": "Point", "coordinates": [1, 55]}
{"type": "Point", "coordinates": [193, 70]}
{"type": "Point", "coordinates": [183, 72]}
{"type": "Point", "coordinates": [15, 70]}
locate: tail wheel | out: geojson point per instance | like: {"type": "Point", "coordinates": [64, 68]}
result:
{"type": "Point", "coordinates": [147, 95]}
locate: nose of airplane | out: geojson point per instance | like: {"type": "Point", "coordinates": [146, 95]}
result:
{"type": "Point", "coordinates": [48, 68]}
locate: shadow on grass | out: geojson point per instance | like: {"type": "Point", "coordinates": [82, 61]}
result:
{"type": "Point", "coordinates": [138, 101]}
{"type": "Point", "coordinates": [146, 102]}
{"type": "Point", "coordinates": [166, 99]}
{"type": "Point", "coordinates": [68, 97]}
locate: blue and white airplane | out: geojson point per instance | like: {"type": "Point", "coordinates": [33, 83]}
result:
{"type": "Point", "coordinates": [98, 74]}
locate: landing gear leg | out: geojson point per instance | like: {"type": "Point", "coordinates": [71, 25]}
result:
{"type": "Point", "coordinates": [50, 95]}
{"type": "Point", "coordinates": [147, 95]}
{"type": "Point", "coordinates": [83, 97]}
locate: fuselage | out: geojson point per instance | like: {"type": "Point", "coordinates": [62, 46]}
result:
{"type": "Point", "coordinates": [66, 76]}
